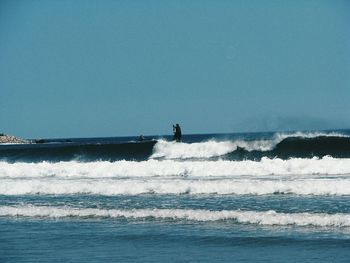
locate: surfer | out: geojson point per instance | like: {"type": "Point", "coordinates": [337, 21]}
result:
{"type": "Point", "coordinates": [177, 132]}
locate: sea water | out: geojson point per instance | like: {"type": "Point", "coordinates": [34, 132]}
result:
{"type": "Point", "coordinates": [262, 197]}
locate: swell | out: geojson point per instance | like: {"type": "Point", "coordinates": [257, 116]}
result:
{"type": "Point", "coordinates": [77, 151]}
{"type": "Point", "coordinates": [338, 147]}
{"type": "Point", "coordinates": [268, 218]}
{"type": "Point", "coordinates": [284, 146]}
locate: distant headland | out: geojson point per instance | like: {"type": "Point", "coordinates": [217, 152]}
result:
{"type": "Point", "coordinates": [4, 138]}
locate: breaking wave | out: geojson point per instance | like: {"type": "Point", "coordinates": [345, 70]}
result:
{"type": "Point", "coordinates": [299, 176]}
{"type": "Point", "coordinates": [270, 218]}
{"type": "Point", "coordinates": [172, 168]}
{"type": "Point", "coordinates": [281, 145]}
{"type": "Point", "coordinates": [297, 144]}
{"type": "Point", "coordinates": [111, 187]}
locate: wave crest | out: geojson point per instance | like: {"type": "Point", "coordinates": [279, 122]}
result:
{"type": "Point", "coordinates": [212, 148]}
{"type": "Point", "coordinates": [269, 218]}
{"type": "Point", "coordinates": [112, 187]}
{"type": "Point", "coordinates": [296, 167]}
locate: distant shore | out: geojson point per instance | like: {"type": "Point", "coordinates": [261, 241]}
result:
{"type": "Point", "coordinates": [11, 139]}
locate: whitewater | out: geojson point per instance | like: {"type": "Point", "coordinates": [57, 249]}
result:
{"type": "Point", "coordinates": [208, 192]}
{"type": "Point", "coordinates": [249, 217]}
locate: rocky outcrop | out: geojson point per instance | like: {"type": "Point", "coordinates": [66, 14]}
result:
{"type": "Point", "coordinates": [11, 139]}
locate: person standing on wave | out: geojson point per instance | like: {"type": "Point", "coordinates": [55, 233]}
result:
{"type": "Point", "coordinates": [177, 133]}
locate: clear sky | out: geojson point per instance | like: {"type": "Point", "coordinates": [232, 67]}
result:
{"type": "Point", "coordinates": [112, 68]}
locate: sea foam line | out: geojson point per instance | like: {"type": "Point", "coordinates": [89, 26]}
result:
{"type": "Point", "coordinates": [166, 168]}
{"type": "Point", "coordinates": [111, 187]}
{"type": "Point", "coordinates": [244, 217]}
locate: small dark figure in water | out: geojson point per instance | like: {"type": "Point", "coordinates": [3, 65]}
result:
{"type": "Point", "coordinates": [141, 138]}
{"type": "Point", "coordinates": [40, 141]}
{"type": "Point", "coordinates": [177, 132]}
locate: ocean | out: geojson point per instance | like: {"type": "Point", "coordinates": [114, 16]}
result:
{"type": "Point", "coordinates": [247, 197]}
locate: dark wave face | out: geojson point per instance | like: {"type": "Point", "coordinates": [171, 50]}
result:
{"type": "Point", "coordinates": [309, 147]}
{"type": "Point", "coordinates": [77, 151]}
{"type": "Point", "coordinates": [296, 147]}
{"type": "Point", "coordinates": [194, 147]}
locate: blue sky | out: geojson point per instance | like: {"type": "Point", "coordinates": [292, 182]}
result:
{"type": "Point", "coordinates": [112, 68]}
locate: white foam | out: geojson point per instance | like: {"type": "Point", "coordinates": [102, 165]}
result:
{"type": "Point", "coordinates": [173, 150]}
{"type": "Point", "coordinates": [246, 217]}
{"type": "Point", "coordinates": [110, 187]}
{"type": "Point", "coordinates": [212, 148]}
{"type": "Point", "coordinates": [315, 134]}
{"type": "Point", "coordinates": [170, 168]}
